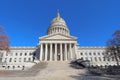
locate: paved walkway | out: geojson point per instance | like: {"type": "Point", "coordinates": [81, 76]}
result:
{"type": "Point", "coordinates": [53, 71]}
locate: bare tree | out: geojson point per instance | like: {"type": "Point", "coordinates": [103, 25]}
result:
{"type": "Point", "coordinates": [113, 47]}
{"type": "Point", "coordinates": [4, 40]}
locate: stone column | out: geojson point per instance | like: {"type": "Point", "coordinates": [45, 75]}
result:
{"type": "Point", "coordinates": [46, 48]}
{"type": "Point", "coordinates": [61, 52]}
{"type": "Point", "coordinates": [70, 51]}
{"type": "Point", "coordinates": [51, 52]}
{"type": "Point", "coordinates": [74, 51]}
{"type": "Point", "coordinates": [65, 51]}
{"type": "Point", "coordinates": [76, 55]}
{"type": "Point", "coordinates": [41, 52]}
{"type": "Point", "coordinates": [55, 56]}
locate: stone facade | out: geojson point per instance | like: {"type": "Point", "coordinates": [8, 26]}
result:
{"type": "Point", "coordinates": [57, 45]}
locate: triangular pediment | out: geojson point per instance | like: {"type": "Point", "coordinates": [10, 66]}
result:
{"type": "Point", "coordinates": [58, 36]}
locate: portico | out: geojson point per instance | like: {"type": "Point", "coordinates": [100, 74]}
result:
{"type": "Point", "coordinates": [57, 51]}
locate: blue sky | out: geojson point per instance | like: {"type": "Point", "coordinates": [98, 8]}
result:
{"type": "Point", "coordinates": [91, 21]}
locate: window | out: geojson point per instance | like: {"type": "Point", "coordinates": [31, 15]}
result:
{"type": "Point", "coordinates": [95, 59]}
{"type": "Point", "coordinates": [19, 59]}
{"type": "Point", "coordinates": [103, 53]}
{"type": "Point", "coordinates": [112, 58]}
{"type": "Point", "coordinates": [99, 58]}
{"type": "Point", "coordinates": [91, 58]}
{"type": "Point", "coordinates": [98, 53]}
{"type": "Point", "coordinates": [108, 59]}
{"type": "Point", "coordinates": [85, 53]}
{"type": "Point", "coordinates": [20, 54]}
{"type": "Point", "coordinates": [104, 59]}
{"type": "Point", "coordinates": [24, 59]}
{"type": "Point", "coordinates": [90, 53]}
{"type": "Point", "coordinates": [30, 54]}
{"type": "Point", "coordinates": [5, 59]}
{"type": "Point", "coordinates": [94, 53]}
{"type": "Point", "coordinates": [29, 59]}
{"type": "Point", "coordinates": [86, 58]}
{"type": "Point", "coordinates": [16, 54]}
{"type": "Point", "coordinates": [14, 59]}
{"type": "Point", "coordinates": [10, 60]}
{"type": "Point", "coordinates": [81, 53]}
{"type": "Point", "coordinates": [25, 54]}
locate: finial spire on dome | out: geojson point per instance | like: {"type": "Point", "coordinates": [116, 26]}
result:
{"type": "Point", "coordinates": [58, 14]}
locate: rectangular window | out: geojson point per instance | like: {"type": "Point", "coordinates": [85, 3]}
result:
{"type": "Point", "coordinates": [20, 54]}
{"type": "Point", "coordinates": [103, 53]}
{"type": "Point", "coordinates": [19, 59]}
{"type": "Point", "coordinates": [95, 59]}
{"type": "Point", "coordinates": [108, 59]}
{"type": "Point", "coordinates": [112, 58]}
{"type": "Point", "coordinates": [81, 53]}
{"type": "Point", "coordinates": [16, 54]}
{"type": "Point", "coordinates": [86, 58]}
{"type": "Point", "coordinates": [24, 59]}
{"type": "Point", "coordinates": [25, 54]}
{"type": "Point", "coordinates": [89, 53]}
{"type": "Point", "coordinates": [5, 59]}
{"type": "Point", "coordinates": [29, 59]}
{"type": "Point", "coordinates": [30, 54]}
{"type": "Point", "coordinates": [99, 58]}
{"type": "Point", "coordinates": [14, 59]}
{"type": "Point", "coordinates": [104, 58]}
{"type": "Point", "coordinates": [91, 58]}
{"type": "Point", "coordinates": [10, 60]}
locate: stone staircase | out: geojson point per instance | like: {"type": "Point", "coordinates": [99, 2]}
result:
{"type": "Point", "coordinates": [59, 70]}
{"type": "Point", "coordinates": [25, 73]}
{"type": "Point", "coordinates": [34, 70]}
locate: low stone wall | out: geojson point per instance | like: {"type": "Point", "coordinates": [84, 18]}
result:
{"type": "Point", "coordinates": [104, 70]}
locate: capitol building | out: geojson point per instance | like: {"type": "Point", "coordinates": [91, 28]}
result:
{"type": "Point", "coordinates": [57, 45]}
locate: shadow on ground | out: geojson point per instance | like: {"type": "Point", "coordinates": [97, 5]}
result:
{"type": "Point", "coordinates": [88, 76]}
